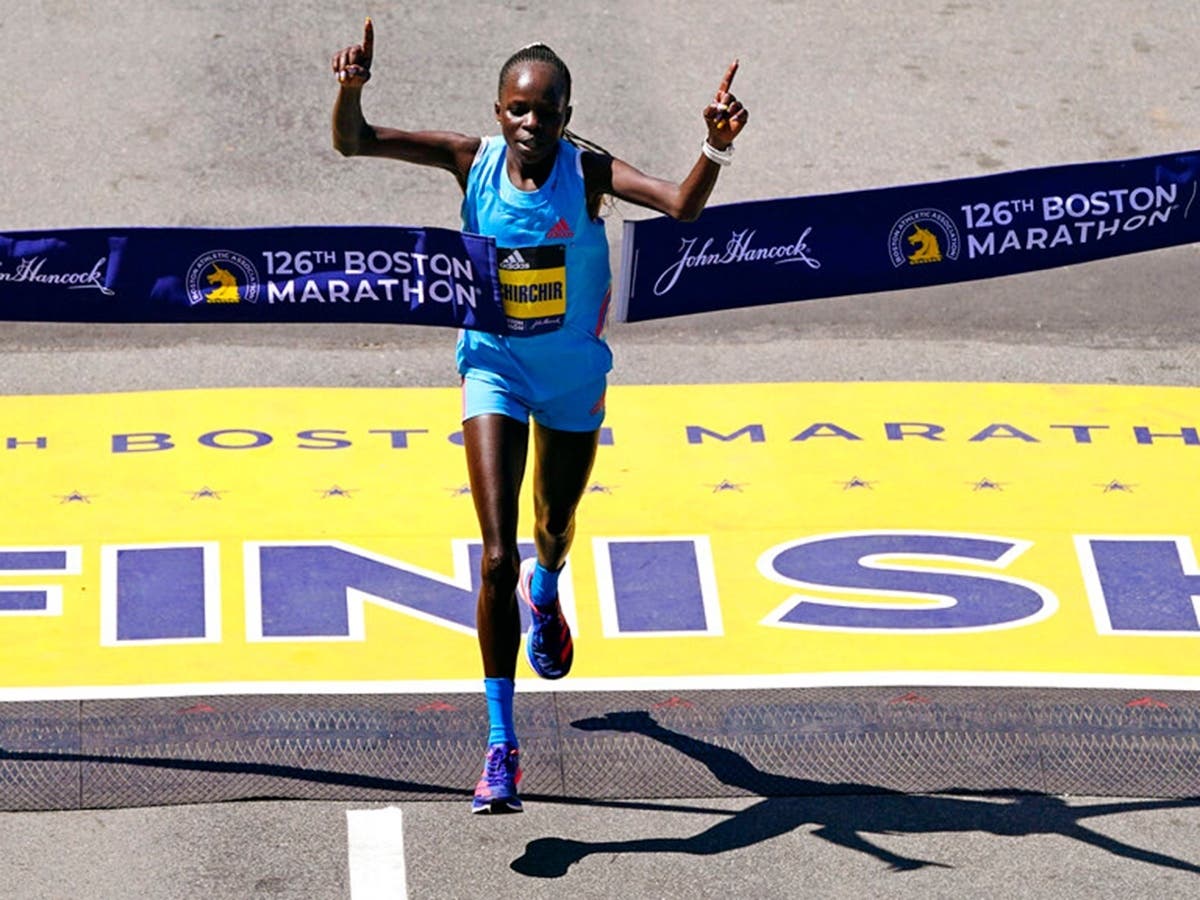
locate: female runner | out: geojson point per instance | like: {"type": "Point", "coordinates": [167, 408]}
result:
{"type": "Point", "coordinates": [537, 190]}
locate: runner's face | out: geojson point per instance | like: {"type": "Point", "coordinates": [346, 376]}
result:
{"type": "Point", "coordinates": [532, 111]}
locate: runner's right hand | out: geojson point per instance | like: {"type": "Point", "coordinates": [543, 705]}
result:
{"type": "Point", "coordinates": [352, 65]}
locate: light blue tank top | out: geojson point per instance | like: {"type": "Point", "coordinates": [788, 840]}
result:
{"type": "Point", "coordinates": [554, 274]}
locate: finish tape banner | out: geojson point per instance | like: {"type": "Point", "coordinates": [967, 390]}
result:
{"type": "Point", "coordinates": [410, 276]}
{"type": "Point", "coordinates": [801, 248]}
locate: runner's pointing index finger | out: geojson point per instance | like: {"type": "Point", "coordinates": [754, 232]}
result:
{"type": "Point", "coordinates": [727, 81]}
{"type": "Point", "coordinates": [369, 40]}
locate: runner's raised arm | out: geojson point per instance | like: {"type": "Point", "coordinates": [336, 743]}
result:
{"type": "Point", "coordinates": [354, 136]}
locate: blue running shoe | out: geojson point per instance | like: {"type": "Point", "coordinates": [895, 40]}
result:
{"type": "Point", "coordinates": [496, 791]}
{"type": "Point", "coordinates": [548, 646]}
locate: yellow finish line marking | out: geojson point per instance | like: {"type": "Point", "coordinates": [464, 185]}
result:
{"type": "Point", "coordinates": [262, 540]}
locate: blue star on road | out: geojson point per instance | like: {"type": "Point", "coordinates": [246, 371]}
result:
{"type": "Point", "coordinates": [727, 486]}
{"type": "Point", "coordinates": [857, 483]}
{"type": "Point", "coordinates": [986, 484]}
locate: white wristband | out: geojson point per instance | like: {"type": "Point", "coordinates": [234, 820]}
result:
{"type": "Point", "coordinates": [720, 157]}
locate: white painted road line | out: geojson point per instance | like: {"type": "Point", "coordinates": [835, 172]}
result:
{"type": "Point", "coordinates": [375, 840]}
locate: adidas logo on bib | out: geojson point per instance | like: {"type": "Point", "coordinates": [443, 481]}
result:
{"type": "Point", "coordinates": [561, 231]}
{"type": "Point", "coordinates": [514, 260]}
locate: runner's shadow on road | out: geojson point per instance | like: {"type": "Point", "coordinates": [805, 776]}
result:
{"type": "Point", "coordinates": [788, 803]}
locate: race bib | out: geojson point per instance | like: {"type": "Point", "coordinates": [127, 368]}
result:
{"type": "Point", "coordinates": [533, 286]}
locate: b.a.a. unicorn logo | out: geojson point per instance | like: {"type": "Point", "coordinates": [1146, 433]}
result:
{"type": "Point", "coordinates": [226, 290]}
{"type": "Point", "coordinates": [929, 250]}
{"type": "Point", "coordinates": [222, 276]}
{"type": "Point", "coordinates": [923, 236]}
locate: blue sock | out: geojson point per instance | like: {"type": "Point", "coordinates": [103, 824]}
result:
{"type": "Point", "coordinates": [543, 586]}
{"type": "Point", "coordinates": [499, 693]}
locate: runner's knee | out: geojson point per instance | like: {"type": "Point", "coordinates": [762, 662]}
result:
{"type": "Point", "coordinates": [499, 568]}
{"type": "Point", "coordinates": [557, 525]}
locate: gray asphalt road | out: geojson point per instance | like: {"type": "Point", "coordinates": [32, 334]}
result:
{"type": "Point", "coordinates": [852, 847]}
{"type": "Point", "coordinates": [183, 113]}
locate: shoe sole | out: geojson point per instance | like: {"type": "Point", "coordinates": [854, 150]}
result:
{"type": "Point", "coordinates": [499, 808]}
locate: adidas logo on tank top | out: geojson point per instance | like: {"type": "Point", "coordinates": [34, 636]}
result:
{"type": "Point", "coordinates": [514, 260]}
{"type": "Point", "coordinates": [560, 231]}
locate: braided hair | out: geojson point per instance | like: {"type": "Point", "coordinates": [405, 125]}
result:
{"type": "Point", "coordinates": [541, 53]}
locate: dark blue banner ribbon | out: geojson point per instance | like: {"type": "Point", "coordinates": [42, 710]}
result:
{"type": "Point", "coordinates": [410, 276]}
{"type": "Point", "coordinates": [773, 251]}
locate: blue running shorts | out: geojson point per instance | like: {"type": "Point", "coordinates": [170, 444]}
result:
{"type": "Point", "coordinates": [581, 409]}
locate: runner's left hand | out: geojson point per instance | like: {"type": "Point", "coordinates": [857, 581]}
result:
{"type": "Point", "coordinates": [725, 116]}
